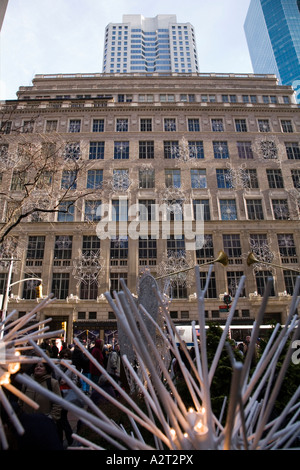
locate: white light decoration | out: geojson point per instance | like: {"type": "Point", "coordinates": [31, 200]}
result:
{"type": "Point", "coordinates": [118, 183]}
{"type": "Point", "coordinates": [262, 251]}
{"type": "Point", "coordinates": [237, 178]}
{"type": "Point", "coordinates": [88, 267]}
{"type": "Point", "coordinates": [247, 424]}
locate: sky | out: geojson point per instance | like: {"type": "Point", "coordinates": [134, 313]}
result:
{"type": "Point", "coordinates": [67, 36]}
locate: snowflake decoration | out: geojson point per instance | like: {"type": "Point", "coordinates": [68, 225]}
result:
{"type": "Point", "coordinates": [263, 253]}
{"type": "Point", "coordinates": [120, 182]}
{"type": "Point", "coordinates": [237, 178]}
{"type": "Point", "coordinates": [63, 242]}
{"type": "Point", "coordinates": [8, 159]}
{"type": "Point", "coordinates": [186, 152]}
{"type": "Point", "coordinates": [72, 152]}
{"type": "Point", "coordinates": [175, 262]}
{"type": "Point", "coordinates": [10, 249]}
{"type": "Point", "coordinates": [174, 198]}
{"type": "Point", "coordinates": [268, 148]}
{"type": "Point", "coordinates": [88, 267]}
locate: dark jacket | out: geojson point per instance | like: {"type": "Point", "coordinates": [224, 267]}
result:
{"type": "Point", "coordinates": [97, 353]}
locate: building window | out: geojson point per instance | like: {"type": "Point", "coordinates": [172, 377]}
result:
{"type": "Point", "coordinates": [72, 151]}
{"type": "Point", "coordinates": [146, 209]}
{"type": "Point", "coordinates": [171, 149]}
{"type": "Point", "coordinates": [290, 278]}
{"type": "Point", "coordinates": [173, 178]}
{"type": "Point", "coordinates": [119, 210]}
{"type": "Point", "coordinates": [211, 292]}
{"type": "Point", "coordinates": [167, 98]}
{"type": "Point", "coordinates": [51, 126]}
{"type": "Point", "coordinates": [147, 178]}
{"type": "Point", "coordinates": [292, 150]}
{"type": "Point", "coordinates": [287, 126]}
{"type": "Point", "coordinates": [224, 180]}
{"type": "Point", "coordinates": [193, 125]}
{"type": "Point", "coordinates": [254, 209]}
{"type": "Point", "coordinates": [29, 287]}
{"type": "Point", "coordinates": [121, 150]}
{"type": "Point", "coordinates": [74, 125]}
{"type": "Point", "coordinates": [261, 278]}
{"type": "Point", "coordinates": [122, 125]}
{"type": "Point", "coordinates": [198, 179]}
{"type": "Point", "coordinates": [69, 179]}
{"type": "Point", "coordinates": [176, 245]}
{"type": "Point", "coordinates": [66, 210]}
{"type": "Point", "coordinates": [232, 246]}
{"type": "Point", "coordinates": [18, 181]}
{"type": "Point", "coordinates": [88, 290]}
{"type": "Point", "coordinates": [264, 125]}
{"type": "Point", "coordinates": [275, 179]}
{"type": "Point", "coordinates": [250, 179]}
{"type": "Point", "coordinates": [119, 251]}
{"type": "Point", "coordinates": [62, 250]}
{"type": "Point", "coordinates": [280, 209]}
{"type": "Point", "coordinates": [287, 248]}
{"type": "Point", "coordinates": [240, 125]}
{"type": "Point", "coordinates": [28, 127]}
{"type": "Point", "coordinates": [220, 149]}
{"type": "Point", "coordinates": [146, 125]}
{"type": "Point", "coordinates": [228, 209]}
{"type": "Point", "coordinates": [196, 149]}
{"type": "Point", "coordinates": [92, 210]}
{"type": "Point", "coordinates": [98, 125]}
{"type": "Point", "coordinates": [205, 206]}
{"type": "Point", "coordinates": [187, 98]}
{"type": "Point", "coordinates": [217, 125]}
{"type": "Point", "coordinates": [90, 244]}
{"type": "Point", "coordinates": [60, 285]}
{"type": "Point", "coordinates": [233, 280]}
{"type": "Point", "coordinates": [35, 251]}
{"type": "Point", "coordinates": [170, 125]}
{"type": "Point", "coordinates": [147, 251]}
{"type": "Point", "coordinates": [296, 178]}
{"type": "Point", "coordinates": [245, 150]}
{"type": "Point", "coordinates": [206, 253]}
{"type": "Point", "coordinates": [6, 127]}
{"type": "Point", "coordinates": [94, 179]}
{"type": "Point", "coordinates": [96, 151]}
{"type": "Point", "coordinates": [146, 149]}
{"type": "Point", "coordinates": [115, 284]}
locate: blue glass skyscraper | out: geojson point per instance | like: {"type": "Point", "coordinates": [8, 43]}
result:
{"type": "Point", "coordinates": [272, 29]}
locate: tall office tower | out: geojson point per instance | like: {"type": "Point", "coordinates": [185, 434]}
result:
{"type": "Point", "coordinates": [157, 44]}
{"type": "Point", "coordinates": [272, 30]}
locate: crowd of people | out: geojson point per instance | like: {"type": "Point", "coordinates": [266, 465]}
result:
{"type": "Point", "coordinates": [47, 426]}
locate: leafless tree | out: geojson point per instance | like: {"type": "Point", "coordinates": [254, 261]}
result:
{"type": "Point", "coordinates": [38, 172]}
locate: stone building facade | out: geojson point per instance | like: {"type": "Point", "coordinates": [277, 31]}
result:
{"type": "Point", "coordinates": [227, 143]}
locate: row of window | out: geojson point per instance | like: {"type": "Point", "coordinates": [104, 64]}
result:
{"type": "Point", "coordinates": [265, 149]}
{"type": "Point", "coordinates": [226, 178]}
{"type": "Point", "coordinates": [147, 249]}
{"type": "Point", "coordinates": [60, 286]}
{"type": "Point", "coordinates": [146, 125]}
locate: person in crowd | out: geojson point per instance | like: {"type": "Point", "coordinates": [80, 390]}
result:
{"type": "Point", "coordinates": [97, 354]}
{"type": "Point", "coordinates": [63, 423]}
{"type": "Point", "coordinates": [42, 374]}
{"type": "Point", "coordinates": [113, 363]}
{"type": "Point", "coordinates": [54, 350]}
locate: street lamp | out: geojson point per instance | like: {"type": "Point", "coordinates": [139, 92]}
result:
{"type": "Point", "coordinates": [9, 285]}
